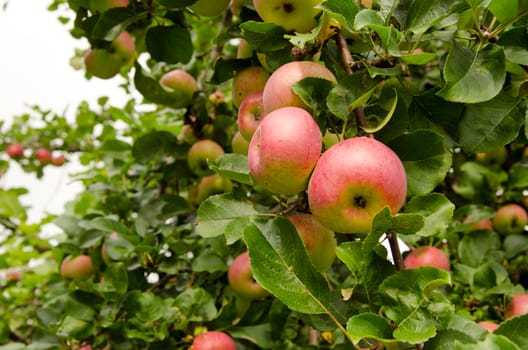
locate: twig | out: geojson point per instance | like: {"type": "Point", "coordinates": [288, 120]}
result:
{"type": "Point", "coordinates": [395, 250]}
{"type": "Point", "coordinates": [346, 56]}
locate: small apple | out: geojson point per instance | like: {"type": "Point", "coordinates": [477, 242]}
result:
{"type": "Point", "coordinates": [250, 114]}
{"type": "Point", "coordinates": [43, 155]}
{"type": "Point", "coordinates": [13, 275]}
{"type": "Point", "coordinates": [187, 135]}
{"type": "Point", "coordinates": [278, 89]}
{"type": "Point", "coordinates": [58, 160]}
{"type": "Point", "coordinates": [181, 86]}
{"type": "Point", "coordinates": [102, 5]}
{"type": "Point", "coordinates": [213, 340]}
{"type": "Point", "coordinates": [241, 279]}
{"type": "Point", "coordinates": [211, 185]}
{"type": "Point", "coordinates": [244, 50]}
{"type": "Point", "coordinates": [489, 325]}
{"type": "Point", "coordinates": [248, 81]}
{"type": "Point", "coordinates": [319, 241]}
{"type": "Point", "coordinates": [217, 98]}
{"type": "Point", "coordinates": [510, 219]}
{"type": "Point", "coordinates": [517, 306]}
{"type": "Point", "coordinates": [352, 181]}
{"type": "Point", "coordinates": [292, 15]}
{"type": "Point", "coordinates": [284, 150]}
{"type": "Point", "coordinates": [78, 267]}
{"type": "Point", "coordinates": [495, 157]}
{"type": "Point", "coordinates": [15, 151]}
{"type": "Point", "coordinates": [106, 63]}
{"type": "Point", "coordinates": [239, 144]}
{"type": "Point", "coordinates": [209, 8]}
{"type": "Point", "coordinates": [199, 153]}
{"type": "Point", "coordinates": [236, 6]}
{"type": "Point", "coordinates": [426, 256]}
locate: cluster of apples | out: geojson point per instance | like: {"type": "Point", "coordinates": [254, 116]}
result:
{"type": "Point", "coordinates": [43, 155]}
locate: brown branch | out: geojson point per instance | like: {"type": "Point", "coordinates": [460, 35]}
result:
{"type": "Point", "coordinates": [395, 250]}
{"type": "Point", "coordinates": [346, 56]}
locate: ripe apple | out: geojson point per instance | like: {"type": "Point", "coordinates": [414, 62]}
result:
{"type": "Point", "coordinates": [353, 181]}
{"type": "Point", "coordinates": [427, 256]}
{"type": "Point", "coordinates": [241, 279]}
{"type": "Point", "coordinates": [209, 8]}
{"type": "Point", "coordinates": [292, 15]}
{"type": "Point", "coordinates": [278, 92]}
{"type": "Point", "coordinates": [239, 144]}
{"type": "Point", "coordinates": [78, 267]}
{"type": "Point", "coordinates": [15, 151]}
{"type": "Point", "coordinates": [284, 150]}
{"type": "Point", "coordinates": [43, 155]}
{"type": "Point", "coordinates": [484, 224]}
{"type": "Point", "coordinates": [58, 160]}
{"type": "Point", "coordinates": [103, 5]}
{"type": "Point", "coordinates": [250, 114]}
{"type": "Point", "coordinates": [495, 157]}
{"type": "Point", "coordinates": [517, 306]}
{"type": "Point", "coordinates": [212, 184]}
{"type": "Point", "coordinates": [13, 275]}
{"type": "Point", "coordinates": [106, 63]}
{"type": "Point", "coordinates": [181, 86]}
{"type": "Point", "coordinates": [319, 241]}
{"type": "Point", "coordinates": [213, 340]}
{"type": "Point", "coordinates": [510, 219]}
{"type": "Point", "coordinates": [200, 152]}
{"type": "Point", "coordinates": [488, 325]}
{"type": "Point", "coordinates": [248, 81]}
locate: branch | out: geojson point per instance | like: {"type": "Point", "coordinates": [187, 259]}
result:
{"type": "Point", "coordinates": [348, 62]}
{"type": "Point", "coordinates": [395, 250]}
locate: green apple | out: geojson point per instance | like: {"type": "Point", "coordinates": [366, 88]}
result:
{"type": "Point", "coordinates": [495, 157]}
{"type": "Point", "coordinates": [209, 8]}
{"type": "Point", "coordinates": [236, 6]}
{"type": "Point", "coordinates": [78, 267]}
{"type": "Point", "coordinates": [518, 306]}
{"type": "Point", "coordinates": [292, 15]}
{"type": "Point", "coordinates": [426, 256]}
{"type": "Point", "coordinates": [241, 279]}
{"type": "Point", "coordinates": [102, 5]}
{"type": "Point", "coordinates": [510, 219]}
{"type": "Point", "coordinates": [200, 152]}
{"type": "Point", "coordinates": [239, 144]}
{"type": "Point", "coordinates": [352, 181]}
{"type": "Point", "coordinates": [106, 63]}
{"type": "Point", "coordinates": [284, 150]}
{"type": "Point", "coordinates": [319, 241]}
{"type": "Point", "coordinates": [244, 50]}
{"type": "Point", "coordinates": [213, 340]}
{"type": "Point", "coordinates": [250, 114]}
{"type": "Point", "coordinates": [180, 85]}
{"type": "Point", "coordinates": [248, 81]}
{"type": "Point", "coordinates": [211, 185]}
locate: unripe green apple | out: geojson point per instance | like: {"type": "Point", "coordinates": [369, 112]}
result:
{"type": "Point", "coordinates": [427, 256]}
{"type": "Point", "coordinates": [78, 267]}
{"type": "Point", "coordinates": [43, 155]}
{"type": "Point", "coordinates": [15, 151]}
{"type": "Point", "coordinates": [489, 325]}
{"type": "Point", "coordinates": [239, 144]}
{"type": "Point", "coordinates": [319, 241]}
{"type": "Point", "coordinates": [495, 157]}
{"type": "Point", "coordinates": [248, 81]}
{"type": "Point", "coordinates": [352, 181]}
{"type": "Point", "coordinates": [278, 89]}
{"type": "Point", "coordinates": [292, 15]}
{"type": "Point", "coordinates": [103, 5]}
{"type": "Point", "coordinates": [236, 6]}
{"type": "Point", "coordinates": [213, 340]}
{"type": "Point", "coordinates": [510, 219]}
{"type": "Point", "coordinates": [106, 63]}
{"type": "Point", "coordinates": [518, 306]}
{"type": "Point", "coordinates": [209, 8]}
{"type": "Point", "coordinates": [212, 184]}
{"type": "Point", "coordinates": [284, 150]}
{"type": "Point", "coordinates": [200, 152]}
{"type": "Point", "coordinates": [241, 279]}
{"type": "Point", "coordinates": [244, 50]}
{"type": "Point", "coordinates": [181, 86]}
{"type": "Point", "coordinates": [250, 114]}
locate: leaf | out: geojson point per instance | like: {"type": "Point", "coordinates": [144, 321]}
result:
{"type": "Point", "coordinates": [259, 335]}
{"type": "Point", "coordinates": [424, 14]}
{"type": "Point", "coordinates": [263, 36]}
{"type": "Point", "coordinates": [342, 11]}
{"type": "Point", "coordinates": [374, 122]}
{"type": "Point", "coordinates": [313, 92]}
{"type": "Point", "coordinates": [106, 225]}
{"type": "Point", "coordinates": [113, 21]}
{"type": "Point", "coordinates": [170, 44]}
{"type": "Point", "coordinates": [226, 69]}
{"type": "Point", "coordinates": [518, 175]}
{"type": "Point", "coordinates": [473, 77]}
{"type": "Point", "coordinates": [233, 166]}
{"type": "Point", "coordinates": [473, 249]}
{"type": "Point", "coordinates": [491, 342]}
{"type": "Point", "coordinates": [145, 306]}
{"type": "Point", "coordinates": [515, 43]}
{"type": "Point", "coordinates": [446, 340]}
{"type": "Point", "coordinates": [10, 206]}
{"type": "Point", "coordinates": [515, 330]}
{"type": "Point", "coordinates": [437, 211]}
{"type": "Point", "coordinates": [489, 125]}
{"type": "Point", "coordinates": [479, 182]}
{"type": "Point", "coordinates": [280, 264]}
{"type": "Point", "coordinates": [196, 304]}
{"type": "Point", "coordinates": [369, 326]}
{"type": "Point", "coordinates": [515, 245]}
{"type": "Point", "coordinates": [153, 144]}
{"type": "Point", "coordinates": [115, 281]}
{"type": "Point", "coordinates": [418, 58]}
{"type": "Point", "coordinates": [504, 10]}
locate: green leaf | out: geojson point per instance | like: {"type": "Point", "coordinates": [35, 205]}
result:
{"type": "Point", "coordinates": [280, 264]}
{"type": "Point", "coordinates": [437, 211]}
{"type": "Point", "coordinates": [313, 92]}
{"type": "Point", "coordinates": [489, 125]}
{"type": "Point", "coordinates": [342, 11]}
{"type": "Point", "coordinates": [10, 206]}
{"type": "Point", "coordinates": [196, 304]}
{"type": "Point", "coordinates": [113, 21]}
{"type": "Point", "coordinates": [479, 182]}
{"type": "Point", "coordinates": [424, 14]}
{"type": "Point", "coordinates": [369, 326]}
{"type": "Point", "coordinates": [366, 18]}
{"type": "Point", "coordinates": [106, 225]}
{"type": "Point", "coordinates": [119, 248]}
{"type": "Point", "coordinates": [446, 340]}
{"type": "Point", "coordinates": [145, 306]}
{"type": "Point", "coordinates": [73, 327]}
{"type": "Point", "coordinates": [153, 144]}
{"type": "Point", "coordinates": [263, 36]}
{"type": "Point", "coordinates": [257, 334]}
{"type": "Point", "coordinates": [176, 4]}
{"type": "Point", "coordinates": [515, 43]}
{"type": "Point", "coordinates": [473, 77]}
{"type": "Point", "coordinates": [491, 342]}
{"type": "Point", "coordinates": [518, 175]}
{"type": "Point", "coordinates": [170, 44]}
{"type": "Point", "coordinates": [115, 280]}
{"type": "Point", "coordinates": [475, 248]}
{"type": "Point", "coordinates": [504, 10]}
{"type": "Point", "coordinates": [233, 166]}
{"type": "Point", "coordinates": [226, 69]}
{"type": "Point", "coordinates": [515, 330]}
{"type": "Point", "coordinates": [515, 245]}
{"type": "Point", "coordinates": [418, 58]}
{"type": "Point", "coordinates": [374, 122]}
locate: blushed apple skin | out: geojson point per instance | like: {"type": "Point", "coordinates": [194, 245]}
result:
{"type": "Point", "coordinates": [319, 241]}
{"type": "Point", "coordinates": [181, 85]}
{"type": "Point", "coordinates": [517, 306]}
{"type": "Point", "coordinates": [510, 219]}
{"type": "Point", "coordinates": [278, 92]}
{"type": "Point", "coordinates": [250, 114]}
{"type": "Point", "coordinates": [78, 267]}
{"type": "Point", "coordinates": [353, 181]}
{"type": "Point", "coordinates": [292, 15]}
{"type": "Point", "coordinates": [213, 340]}
{"type": "Point", "coordinates": [15, 151]}
{"type": "Point", "coordinates": [488, 325]}
{"type": "Point", "coordinates": [427, 256]}
{"type": "Point", "coordinates": [106, 63]}
{"type": "Point", "coordinates": [209, 8]}
{"type": "Point", "coordinates": [241, 279]}
{"type": "Point", "coordinates": [284, 150]}
{"type": "Point", "coordinates": [250, 80]}
{"type": "Point", "coordinates": [43, 155]}
{"type": "Point", "coordinates": [200, 152]}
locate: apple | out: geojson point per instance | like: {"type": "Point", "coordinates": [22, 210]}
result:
{"type": "Point", "coordinates": [292, 15]}
{"type": "Point", "coordinates": [103, 5]}
{"type": "Point", "coordinates": [319, 241]}
{"type": "Point", "coordinates": [180, 85]}
{"type": "Point", "coordinates": [517, 306]}
{"type": "Point", "coordinates": [495, 157]}
{"type": "Point", "coordinates": [58, 160]}
{"type": "Point", "coordinates": [426, 256]}
{"type": "Point", "coordinates": [187, 135]}
{"type": "Point", "coordinates": [244, 50]}
{"type": "Point", "coordinates": [488, 325]}
{"type": "Point", "coordinates": [484, 224]}
{"type": "Point", "coordinates": [78, 267]}
{"type": "Point", "coordinates": [239, 144]}
{"type": "Point", "coordinates": [236, 6]}
{"type": "Point", "coordinates": [212, 184]}
{"type": "Point", "coordinates": [217, 98]}
{"type": "Point", "coordinates": [510, 219]}
{"type": "Point", "coordinates": [15, 151]}
{"type": "Point", "coordinates": [200, 152]}
{"type": "Point", "coordinates": [43, 155]}
{"type": "Point", "coordinates": [213, 340]}
{"type": "Point", "coordinates": [248, 81]}
{"type": "Point", "coordinates": [353, 181]}
{"type": "Point", "coordinates": [278, 92]}
{"type": "Point", "coordinates": [284, 150]}
{"type": "Point", "coordinates": [209, 8]}
{"type": "Point", "coordinates": [241, 279]}
{"type": "Point", "coordinates": [250, 114]}
{"type": "Point", "coordinates": [13, 275]}
{"type": "Point", "coordinates": [106, 63]}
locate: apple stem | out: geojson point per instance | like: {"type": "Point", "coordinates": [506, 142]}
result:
{"type": "Point", "coordinates": [395, 250]}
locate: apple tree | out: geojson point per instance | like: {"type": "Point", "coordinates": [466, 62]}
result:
{"type": "Point", "coordinates": [287, 174]}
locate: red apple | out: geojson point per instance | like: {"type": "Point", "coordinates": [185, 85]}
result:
{"type": "Point", "coordinates": [103, 5]}
{"type": "Point", "coordinates": [278, 92]}
{"type": "Point", "coordinates": [319, 241]}
{"type": "Point", "coordinates": [239, 144]}
{"type": "Point", "coordinates": [292, 15]}
{"type": "Point", "coordinates": [250, 114]}
{"type": "Point", "coordinates": [510, 219]}
{"type": "Point", "coordinates": [488, 325]}
{"type": "Point", "coordinates": [209, 8]}
{"type": "Point", "coordinates": [284, 150]}
{"type": "Point", "coordinates": [43, 155]}
{"type": "Point", "coordinates": [200, 152]}
{"type": "Point", "coordinates": [353, 181]}
{"type": "Point", "coordinates": [427, 256]}
{"type": "Point", "coordinates": [517, 306]}
{"type": "Point", "coordinates": [106, 63]}
{"type": "Point", "coordinates": [78, 267]}
{"type": "Point", "coordinates": [248, 81]}
{"type": "Point", "coordinates": [241, 279]}
{"type": "Point", "coordinates": [58, 160]}
{"type": "Point", "coordinates": [15, 151]}
{"type": "Point", "coordinates": [484, 224]}
{"type": "Point", "coordinates": [213, 340]}
{"type": "Point", "coordinates": [181, 86]}
{"type": "Point", "coordinates": [104, 253]}
{"type": "Point", "coordinates": [211, 185]}
{"type": "Point", "coordinates": [13, 275]}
